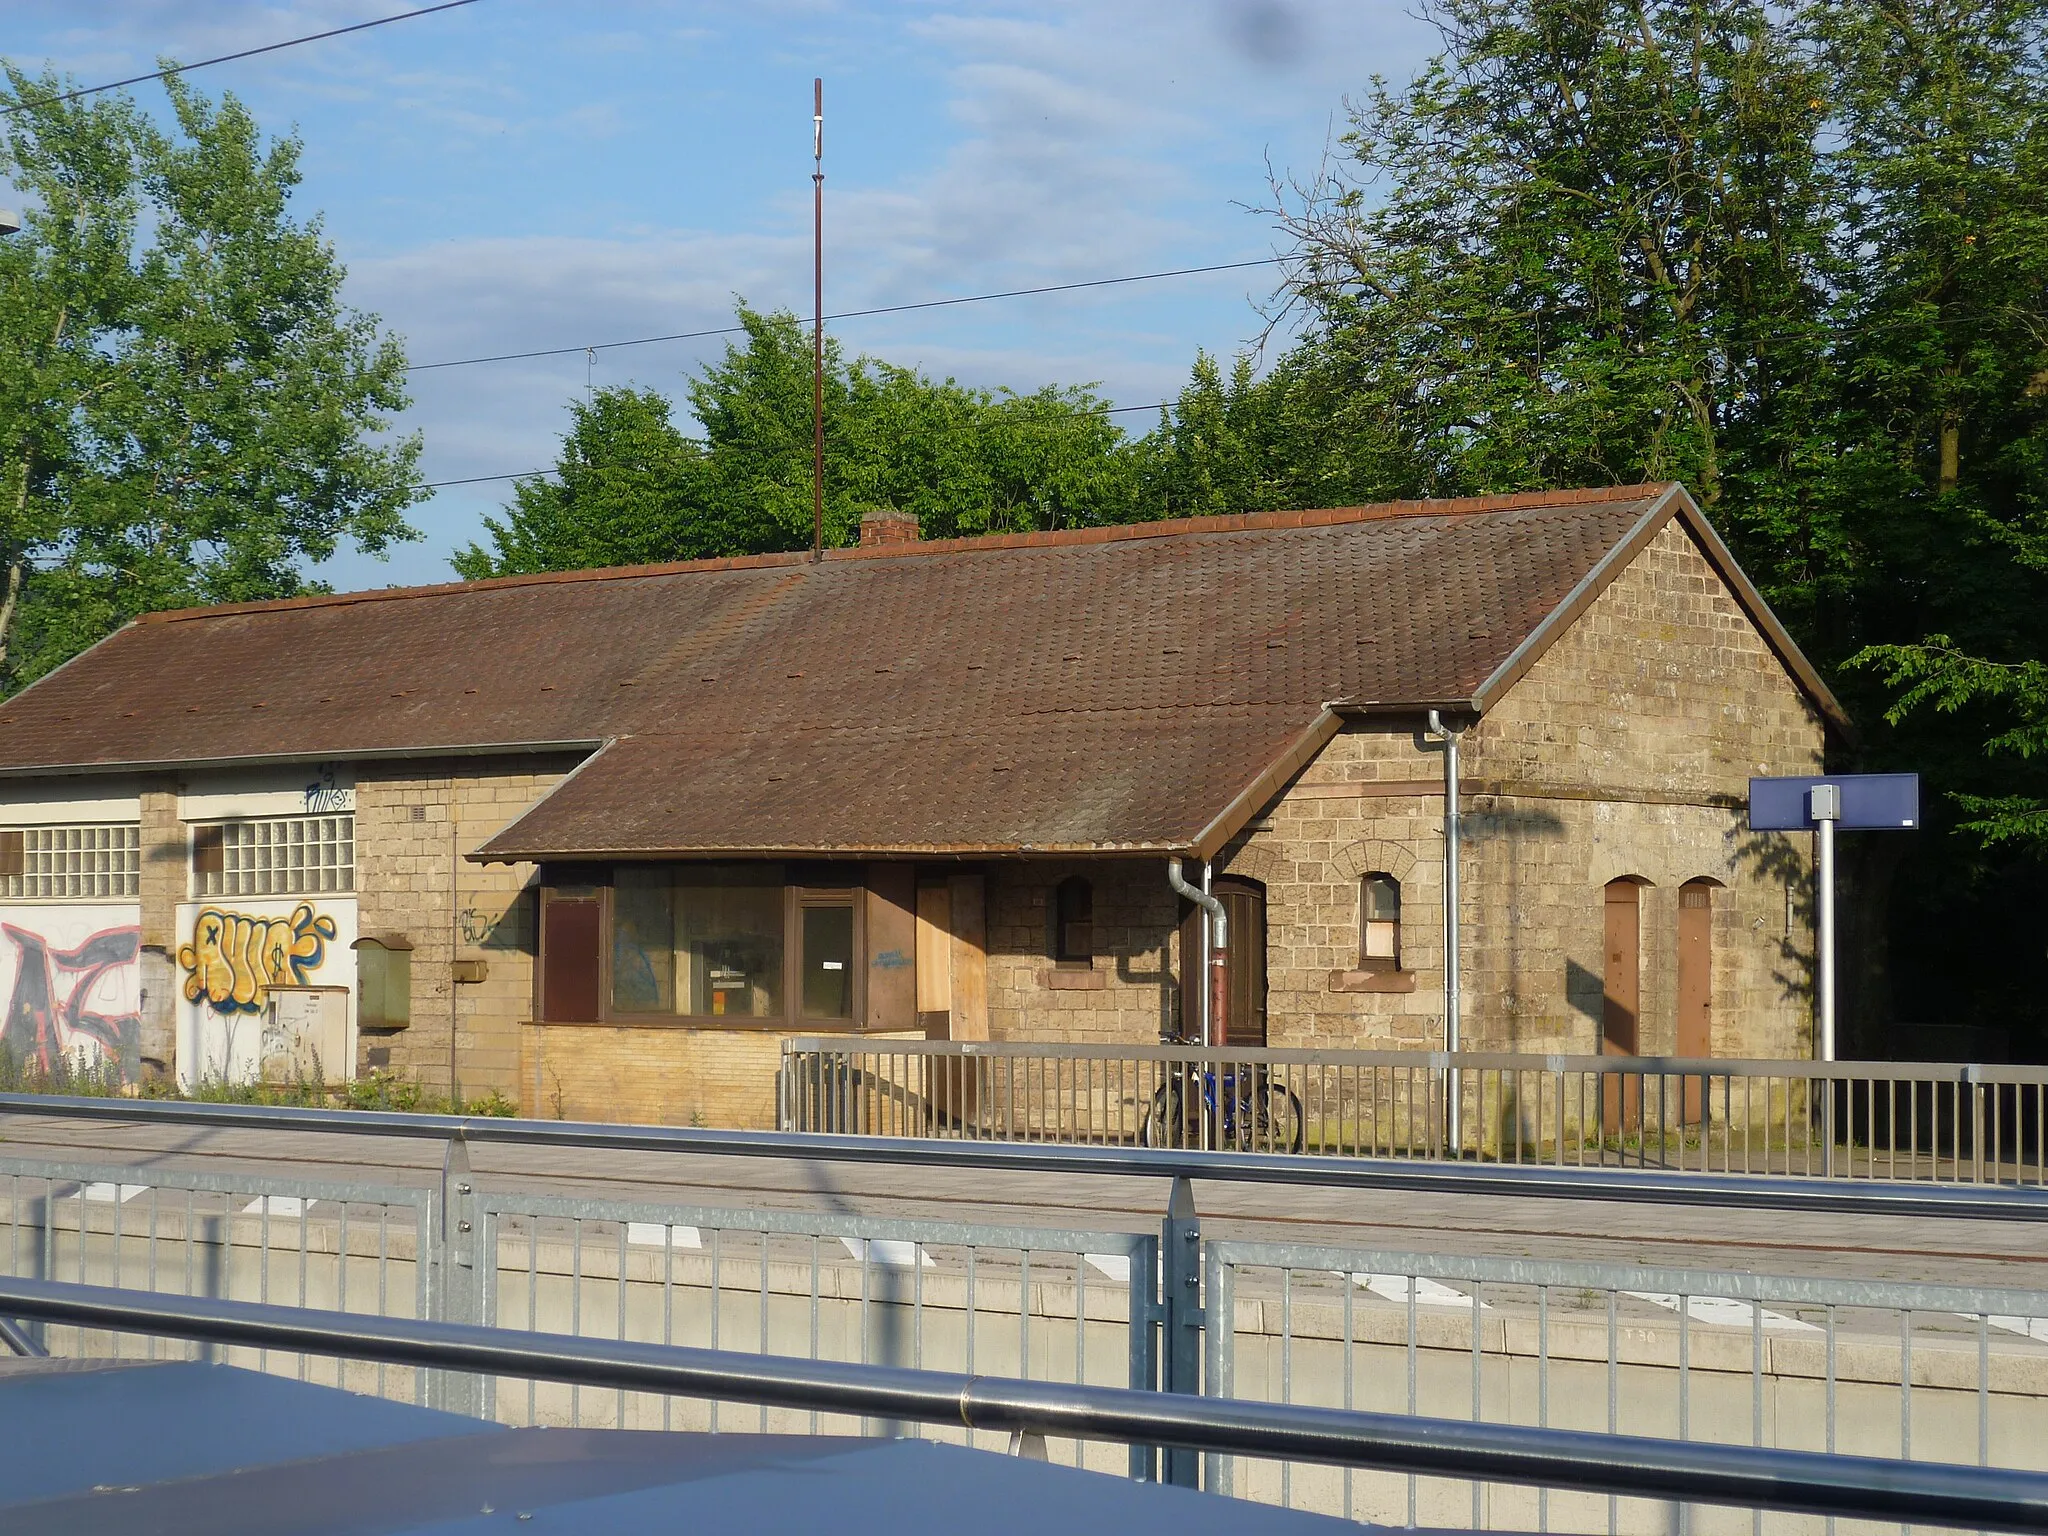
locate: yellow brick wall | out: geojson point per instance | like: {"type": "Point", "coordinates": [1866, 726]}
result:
{"type": "Point", "coordinates": [658, 1074]}
{"type": "Point", "coordinates": [414, 825]}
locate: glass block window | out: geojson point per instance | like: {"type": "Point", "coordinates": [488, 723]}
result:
{"type": "Point", "coordinates": [71, 863]}
{"type": "Point", "coordinates": [284, 856]}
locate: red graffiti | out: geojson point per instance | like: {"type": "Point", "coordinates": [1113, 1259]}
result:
{"type": "Point", "coordinates": [40, 1026]}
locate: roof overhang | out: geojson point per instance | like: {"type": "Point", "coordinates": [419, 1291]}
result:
{"type": "Point", "coordinates": [342, 754]}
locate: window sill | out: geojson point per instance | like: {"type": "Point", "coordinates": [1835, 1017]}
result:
{"type": "Point", "coordinates": [1372, 981]}
{"type": "Point", "coordinates": [1072, 978]}
{"type": "Point", "coordinates": [709, 1025]}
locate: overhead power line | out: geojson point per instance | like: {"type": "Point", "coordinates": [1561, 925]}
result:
{"type": "Point", "coordinates": [527, 474]}
{"type": "Point", "coordinates": [851, 314]}
{"type": "Point", "coordinates": [226, 58]}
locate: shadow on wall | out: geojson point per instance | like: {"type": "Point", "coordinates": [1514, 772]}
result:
{"type": "Point", "coordinates": [509, 928]}
{"type": "Point", "coordinates": [1510, 827]}
{"type": "Point", "coordinates": [1774, 857]}
{"type": "Point", "coordinates": [1162, 978]}
{"type": "Point", "coordinates": [1585, 992]}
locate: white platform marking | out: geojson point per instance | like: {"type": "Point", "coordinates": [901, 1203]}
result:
{"type": "Point", "coordinates": [107, 1194]}
{"type": "Point", "coordinates": [1723, 1311]}
{"type": "Point", "coordinates": [280, 1205]}
{"type": "Point", "coordinates": [652, 1234]}
{"type": "Point", "coordinates": [2032, 1327]}
{"type": "Point", "coordinates": [889, 1252]}
{"type": "Point", "coordinates": [1428, 1293]}
{"type": "Point", "coordinates": [1115, 1265]}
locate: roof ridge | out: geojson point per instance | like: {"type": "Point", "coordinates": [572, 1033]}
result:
{"type": "Point", "coordinates": [1114, 533]}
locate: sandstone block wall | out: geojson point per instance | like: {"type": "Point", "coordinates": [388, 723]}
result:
{"type": "Point", "coordinates": [1625, 751]}
{"type": "Point", "coordinates": [1126, 997]}
{"type": "Point", "coordinates": [414, 824]}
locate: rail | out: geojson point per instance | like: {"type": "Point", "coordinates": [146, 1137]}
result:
{"type": "Point", "coordinates": [1937, 1122]}
{"type": "Point", "coordinates": [1981, 1498]}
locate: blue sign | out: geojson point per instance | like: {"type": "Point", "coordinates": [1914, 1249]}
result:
{"type": "Point", "coordinates": [1871, 802]}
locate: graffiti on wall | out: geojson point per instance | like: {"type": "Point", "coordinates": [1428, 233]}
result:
{"type": "Point", "coordinates": [235, 958]}
{"type": "Point", "coordinates": [68, 1001]}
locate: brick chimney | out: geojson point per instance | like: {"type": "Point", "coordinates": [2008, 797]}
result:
{"type": "Point", "coordinates": [885, 525]}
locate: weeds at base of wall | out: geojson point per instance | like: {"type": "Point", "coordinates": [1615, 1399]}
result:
{"type": "Point", "coordinates": [82, 1077]}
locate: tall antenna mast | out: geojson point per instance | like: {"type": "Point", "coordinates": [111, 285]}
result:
{"type": "Point", "coordinates": [818, 320]}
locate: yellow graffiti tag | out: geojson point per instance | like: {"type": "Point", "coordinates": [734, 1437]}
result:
{"type": "Point", "coordinates": [235, 959]}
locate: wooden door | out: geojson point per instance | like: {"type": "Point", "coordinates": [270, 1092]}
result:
{"type": "Point", "coordinates": [1695, 983]}
{"type": "Point", "coordinates": [1244, 910]}
{"type": "Point", "coordinates": [1621, 1006]}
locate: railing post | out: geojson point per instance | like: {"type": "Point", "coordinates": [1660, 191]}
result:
{"type": "Point", "coordinates": [455, 1289]}
{"type": "Point", "coordinates": [1827, 1128]}
{"type": "Point", "coordinates": [1180, 1300]}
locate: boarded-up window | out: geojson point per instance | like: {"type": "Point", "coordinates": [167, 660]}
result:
{"type": "Point", "coordinates": [11, 858]}
{"type": "Point", "coordinates": [209, 859]}
{"type": "Point", "coordinates": [570, 934]}
{"type": "Point", "coordinates": [1074, 922]}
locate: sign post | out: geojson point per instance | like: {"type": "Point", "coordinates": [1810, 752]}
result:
{"type": "Point", "coordinates": [1824, 804]}
{"type": "Point", "coordinates": [1852, 802]}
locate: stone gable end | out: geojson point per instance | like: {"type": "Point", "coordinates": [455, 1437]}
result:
{"type": "Point", "coordinates": [1625, 751]}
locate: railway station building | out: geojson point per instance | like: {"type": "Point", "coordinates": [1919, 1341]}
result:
{"type": "Point", "coordinates": [602, 840]}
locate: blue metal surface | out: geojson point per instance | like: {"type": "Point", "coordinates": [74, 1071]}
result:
{"type": "Point", "coordinates": [1871, 802]}
{"type": "Point", "coordinates": [187, 1450]}
{"type": "Point", "coordinates": [69, 1430]}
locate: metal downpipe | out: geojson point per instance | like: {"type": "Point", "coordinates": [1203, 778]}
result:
{"type": "Point", "coordinates": [1215, 989]}
{"type": "Point", "coordinates": [1454, 1129]}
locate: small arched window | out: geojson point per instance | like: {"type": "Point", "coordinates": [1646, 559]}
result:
{"type": "Point", "coordinates": [1379, 928]}
{"type": "Point", "coordinates": [1073, 941]}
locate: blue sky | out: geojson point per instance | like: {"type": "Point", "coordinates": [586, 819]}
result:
{"type": "Point", "coordinates": [519, 174]}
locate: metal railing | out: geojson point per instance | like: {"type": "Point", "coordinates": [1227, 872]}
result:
{"type": "Point", "coordinates": [1064, 1309]}
{"type": "Point", "coordinates": [1933, 1121]}
{"type": "Point", "coordinates": [1872, 1368]}
{"type": "Point", "coordinates": [1618, 1466]}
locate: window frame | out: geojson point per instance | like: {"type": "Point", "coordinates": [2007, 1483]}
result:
{"type": "Point", "coordinates": [802, 887]}
{"type": "Point", "coordinates": [207, 849]}
{"type": "Point", "coordinates": [1387, 964]}
{"type": "Point", "coordinates": [108, 855]}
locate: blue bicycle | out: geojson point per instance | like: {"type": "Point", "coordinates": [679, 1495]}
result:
{"type": "Point", "coordinates": [1250, 1111]}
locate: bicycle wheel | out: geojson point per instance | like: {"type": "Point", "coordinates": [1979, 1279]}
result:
{"type": "Point", "coordinates": [1269, 1119]}
{"type": "Point", "coordinates": [1164, 1124]}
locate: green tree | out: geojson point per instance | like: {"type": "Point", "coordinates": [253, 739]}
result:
{"type": "Point", "coordinates": [629, 487]}
{"type": "Point", "coordinates": [1585, 245]}
{"type": "Point", "coordinates": [187, 408]}
{"type": "Point", "coordinates": [1795, 256]}
{"type": "Point", "coordinates": [1945, 134]}
{"type": "Point", "coordinates": [619, 494]}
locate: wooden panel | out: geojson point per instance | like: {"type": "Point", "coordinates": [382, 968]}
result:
{"type": "Point", "coordinates": [569, 961]}
{"type": "Point", "coordinates": [1695, 982]}
{"type": "Point", "coordinates": [934, 957]}
{"type": "Point", "coordinates": [970, 957]}
{"type": "Point", "coordinates": [892, 946]}
{"type": "Point", "coordinates": [1621, 1007]}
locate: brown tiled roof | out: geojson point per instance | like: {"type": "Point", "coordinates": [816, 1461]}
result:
{"type": "Point", "coordinates": [1105, 687]}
